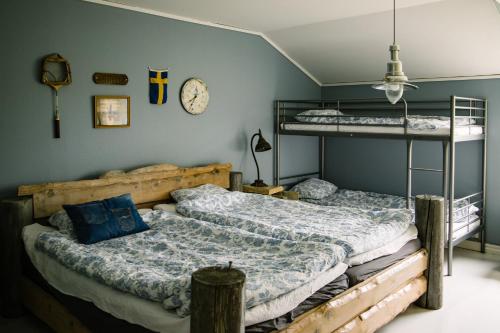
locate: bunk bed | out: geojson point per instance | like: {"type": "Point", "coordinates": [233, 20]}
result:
{"type": "Point", "coordinates": [451, 121]}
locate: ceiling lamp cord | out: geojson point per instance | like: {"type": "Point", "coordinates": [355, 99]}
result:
{"type": "Point", "coordinates": [394, 23]}
{"type": "Point", "coordinates": [395, 80]}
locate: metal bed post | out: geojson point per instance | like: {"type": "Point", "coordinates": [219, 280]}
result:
{"type": "Point", "coordinates": [322, 157]}
{"type": "Point", "coordinates": [446, 171]}
{"type": "Point", "coordinates": [322, 151]}
{"type": "Point", "coordinates": [277, 145]}
{"type": "Point", "coordinates": [409, 157]}
{"type": "Point", "coordinates": [485, 141]}
{"type": "Point", "coordinates": [452, 186]}
{"type": "Point", "coordinates": [409, 162]}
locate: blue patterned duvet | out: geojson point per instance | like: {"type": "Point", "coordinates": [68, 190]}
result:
{"type": "Point", "coordinates": [414, 122]}
{"type": "Point", "coordinates": [356, 230]}
{"type": "Point", "coordinates": [157, 264]}
{"type": "Point", "coordinates": [371, 200]}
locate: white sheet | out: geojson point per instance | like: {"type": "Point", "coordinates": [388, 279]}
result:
{"type": "Point", "coordinates": [143, 312]}
{"type": "Point", "coordinates": [459, 131]}
{"type": "Point", "coordinates": [390, 248]}
{"type": "Point", "coordinates": [170, 207]}
{"type": "Point", "coordinates": [460, 229]}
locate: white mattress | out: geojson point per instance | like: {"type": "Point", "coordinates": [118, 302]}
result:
{"type": "Point", "coordinates": [147, 313]}
{"type": "Point", "coordinates": [459, 131]}
{"type": "Point", "coordinates": [389, 248]}
{"type": "Point", "coordinates": [460, 229]}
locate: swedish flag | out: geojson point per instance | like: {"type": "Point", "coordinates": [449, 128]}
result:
{"type": "Point", "coordinates": [158, 83]}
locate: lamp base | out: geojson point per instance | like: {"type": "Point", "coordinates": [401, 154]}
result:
{"type": "Point", "coordinates": [259, 183]}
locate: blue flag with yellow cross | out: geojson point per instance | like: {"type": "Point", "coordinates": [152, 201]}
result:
{"type": "Point", "coordinates": [158, 83]}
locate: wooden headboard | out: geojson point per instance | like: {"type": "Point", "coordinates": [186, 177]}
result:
{"type": "Point", "coordinates": [151, 187]}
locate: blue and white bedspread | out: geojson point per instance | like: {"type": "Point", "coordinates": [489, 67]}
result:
{"type": "Point", "coordinates": [414, 122]}
{"type": "Point", "coordinates": [356, 230]}
{"type": "Point", "coordinates": [372, 200]}
{"type": "Point", "coordinates": [157, 264]}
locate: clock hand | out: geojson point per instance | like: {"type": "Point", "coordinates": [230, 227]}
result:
{"type": "Point", "coordinates": [193, 99]}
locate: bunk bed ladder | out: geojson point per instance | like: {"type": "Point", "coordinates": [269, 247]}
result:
{"type": "Point", "coordinates": [321, 162]}
{"type": "Point", "coordinates": [446, 178]}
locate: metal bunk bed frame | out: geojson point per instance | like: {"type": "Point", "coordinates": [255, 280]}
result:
{"type": "Point", "coordinates": [455, 104]}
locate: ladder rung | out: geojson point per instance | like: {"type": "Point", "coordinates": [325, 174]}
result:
{"type": "Point", "coordinates": [425, 169]}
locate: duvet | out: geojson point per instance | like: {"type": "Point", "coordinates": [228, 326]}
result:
{"type": "Point", "coordinates": [157, 264]}
{"type": "Point", "coordinates": [356, 230]}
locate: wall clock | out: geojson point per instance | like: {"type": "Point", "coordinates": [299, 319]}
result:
{"type": "Point", "coordinates": [194, 96]}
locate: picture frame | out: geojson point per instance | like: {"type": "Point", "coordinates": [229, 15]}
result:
{"type": "Point", "coordinates": [111, 111]}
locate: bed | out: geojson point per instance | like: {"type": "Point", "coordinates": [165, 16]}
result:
{"type": "Point", "coordinates": [363, 306]}
{"type": "Point", "coordinates": [450, 121]}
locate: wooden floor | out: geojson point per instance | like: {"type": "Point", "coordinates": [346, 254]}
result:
{"type": "Point", "coordinates": [471, 304]}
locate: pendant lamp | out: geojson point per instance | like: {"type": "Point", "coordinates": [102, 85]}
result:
{"type": "Point", "coordinates": [395, 81]}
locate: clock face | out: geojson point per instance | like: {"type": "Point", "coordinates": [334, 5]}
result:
{"type": "Point", "coordinates": [194, 96]}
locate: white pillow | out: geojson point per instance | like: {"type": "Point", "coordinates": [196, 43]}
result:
{"type": "Point", "coordinates": [197, 192]}
{"type": "Point", "coordinates": [328, 116]}
{"type": "Point", "coordinates": [169, 208]}
{"type": "Point", "coordinates": [314, 188]}
{"type": "Point", "coordinates": [61, 221]}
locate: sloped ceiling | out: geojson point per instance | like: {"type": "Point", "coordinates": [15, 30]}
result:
{"type": "Point", "coordinates": [346, 41]}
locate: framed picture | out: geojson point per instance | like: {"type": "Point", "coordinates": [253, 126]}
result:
{"type": "Point", "coordinates": [111, 111]}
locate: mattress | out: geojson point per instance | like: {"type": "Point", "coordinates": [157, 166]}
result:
{"type": "Point", "coordinates": [461, 229]}
{"type": "Point", "coordinates": [146, 313]}
{"type": "Point", "coordinates": [332, 289]}
{"type": "Point", "coordinates": [390, 248]}
{"type": "Point", "coordinates": [360, 273]}
{"type": "Point", "coordinates": [459, 131]}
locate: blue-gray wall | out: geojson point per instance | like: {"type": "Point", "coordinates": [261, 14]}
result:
{"type": "Point", "coordinates": [243, 72]}
{"type": "Point", "coordinates": [380, 165]}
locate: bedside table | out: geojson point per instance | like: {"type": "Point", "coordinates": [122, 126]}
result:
{"type": "Point", "coordinates": [266, 190]}
{"type": "Point", "coordinates": [275, 191]}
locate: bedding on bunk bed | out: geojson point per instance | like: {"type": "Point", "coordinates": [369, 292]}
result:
{"type": "Point", "coordinates": [356, 230]}
{"type": "Point", "coordinates": [414, 122]}
{"type": "Point", "coordinates": [157, 264]}
{"type": "Point", "coordinates": [333, 120]}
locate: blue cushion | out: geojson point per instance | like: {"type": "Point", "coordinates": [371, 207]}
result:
{"type": "Point", "coordinates": [101, 220]}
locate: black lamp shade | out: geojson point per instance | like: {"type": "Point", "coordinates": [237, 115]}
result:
{"type": "Point", "coordinates": [262, 144]}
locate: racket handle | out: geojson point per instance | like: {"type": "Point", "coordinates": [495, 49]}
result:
{"type": "Point", "coordinates": [57, 128]}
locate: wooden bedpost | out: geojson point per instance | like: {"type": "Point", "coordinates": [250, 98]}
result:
{"type": "Point", "coordinates": [218, 300]}
{"type": "Point", "coordinates": [14, 215]}
{"type": "Point", "coordinates": [429, 220]}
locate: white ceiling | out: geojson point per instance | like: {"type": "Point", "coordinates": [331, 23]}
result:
{"type": "Point", "coordinates": [338, 41]}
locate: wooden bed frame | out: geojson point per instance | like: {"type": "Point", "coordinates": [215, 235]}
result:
{"type": "Point", "coordinates": [363, 308]}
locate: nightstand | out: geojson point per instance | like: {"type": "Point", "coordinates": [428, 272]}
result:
{"type": "Point", "coordinates": [265, 190]}
{"type": "Point", "coordinates": [275, 191]}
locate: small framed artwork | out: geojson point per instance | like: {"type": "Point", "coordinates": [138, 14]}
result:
{"type": "Point", "coordinates": [111, 111]}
